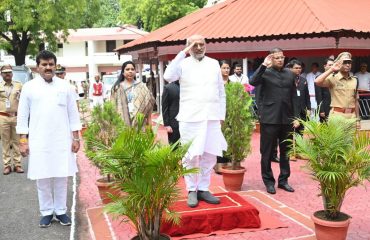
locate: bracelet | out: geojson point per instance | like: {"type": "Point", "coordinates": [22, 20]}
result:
{"type": "Point", "coordinates": [76, 139]}
{"type": "Point", "coordinates": [23, 140]}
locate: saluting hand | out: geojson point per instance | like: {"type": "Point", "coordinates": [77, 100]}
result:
{"type": "Point", "coordinates": [187, 49]}
{"type": "Point", "coordinates": [268, 60]}
{"type": "Point", "coordinates": [336, 66]}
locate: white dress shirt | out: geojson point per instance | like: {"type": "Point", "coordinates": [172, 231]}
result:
{"type": "Point", "coordinates": [243, 79]}
{"type": "Point", "coordinates": [363, 80]}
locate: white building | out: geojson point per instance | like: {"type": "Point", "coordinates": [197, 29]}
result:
{"type": "Point", "coordinates": [213, 2]}
{"type": "Point", "coordinates": [89, 51]}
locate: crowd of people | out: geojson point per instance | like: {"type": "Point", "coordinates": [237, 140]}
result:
{"type": "Point", "coordinates": [41, 120]}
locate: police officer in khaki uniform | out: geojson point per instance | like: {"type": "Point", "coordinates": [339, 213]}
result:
{"type": "Point", "coordinates": [9, 96]}
{"type": "Point", "coordinates": [342, 86]}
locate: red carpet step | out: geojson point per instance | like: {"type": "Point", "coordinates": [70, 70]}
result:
{"type": "Point", "coordinates": [232, 212]}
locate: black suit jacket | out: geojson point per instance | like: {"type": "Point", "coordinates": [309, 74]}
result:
{"type": "Point", "coordinates": [170, 104]}
{"type": "Point", "coordinates": [323, 99]}
{"type": "Point", "coordinates": [301, 102]}
{"type": "Point", "coordinates": [275, 97]}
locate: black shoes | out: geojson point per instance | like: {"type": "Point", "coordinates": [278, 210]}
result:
{"type": "Point", "coordinates": [275, 159]}
{"type": "Point", "coordinates": [46, 221]}
{"type": "Point", "coordinates": [270, 189]}
{"type": "Point", "coordinates": [286, 187]}
{"type": "Point", "coordinates": [63, 219]}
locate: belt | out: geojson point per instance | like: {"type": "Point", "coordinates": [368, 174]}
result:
{"type": "Point", "coordinates": [343, 110]}
{"type": "Point", "coordinates": [8, 114]}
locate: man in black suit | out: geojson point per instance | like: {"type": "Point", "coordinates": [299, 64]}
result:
{"type": "Point", "coordinates": [277, 88]}
{"type": "Point", "coordinates": [301, 100]}
{"type": "Point", "coordinates": [170, 109]}
{"type": "Point", "coordinates": [323, 97]}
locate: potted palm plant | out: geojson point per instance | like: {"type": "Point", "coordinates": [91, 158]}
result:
{"type": "Point", "coordinates": [339, 159]}
{"type": "Point", "coordinates": [147, 172]}
{"type": "Point", "coordinates": [83, 107]}
{"type": "Point", "coordinates": [237, 129]}
{"type": "Point", "coordinates": [103, 129]}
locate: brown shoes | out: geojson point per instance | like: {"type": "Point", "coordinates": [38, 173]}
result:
{"type": "Point", "coordinates": [18, 169]}
{"type": "Point", "coordinates": [7, 170]}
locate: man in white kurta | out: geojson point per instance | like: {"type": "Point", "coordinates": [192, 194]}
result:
{"type": "Point", "coordinates": [97, 92]}
{"type": "Point", "coordinates": [48, 114]}
{"type": "Point", "coordinates": [202, 108]}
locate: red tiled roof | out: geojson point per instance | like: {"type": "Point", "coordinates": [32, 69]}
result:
{"type": "Point", "coordinates": [243, 20]}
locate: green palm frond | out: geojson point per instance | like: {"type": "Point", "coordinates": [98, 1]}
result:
{"type": "Point", "coordinates": [339, 157]}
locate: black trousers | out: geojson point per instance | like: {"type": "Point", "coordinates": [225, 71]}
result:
{"type": "Point", "coordinates": [270, 134]}
{"type": "Point", "coordinates": [174, 136]}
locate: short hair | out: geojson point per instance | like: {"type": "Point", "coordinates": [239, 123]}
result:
{"type": "Point", "coordinates": [276, 50]}
{"type": "Point", "coordinates": [237, 65]}
{"type": "Point", "coordinates": [327, 60]}
{"type": "Point", "coordinates": [315, 64]}
{"type": "Point", "coordinates": [45, 55]}
{"type": "Point", "coordinates": [295, 62]}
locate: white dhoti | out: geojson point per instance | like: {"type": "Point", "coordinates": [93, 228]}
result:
{"type": "Point", "coordinates": [207, 142]}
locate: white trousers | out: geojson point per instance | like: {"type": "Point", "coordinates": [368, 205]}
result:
{"type": "Point", "coordinates": [201, 180]}
{"type": "Point", "coordinates": [97, 100]}
{"type": "Point", "coordinates": [50, 204]}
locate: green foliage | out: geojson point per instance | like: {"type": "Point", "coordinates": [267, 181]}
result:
{"type": "Point", "coordinates": [339, 158]}
{"type": "Point", "coordinates": [109, 12]}
{"type": "Point", "coordinates": [238, 125]}
{"type": "Point", "coordinates": [104, 128]}
{"type": "Point", "coordinates": [148, 172]}
{"type": "Point", "coordinates": [157, 13]}
{"type": "Point", "coordinates": [33, 22]}
{"type": "Point", "coordinates": [84, 109]}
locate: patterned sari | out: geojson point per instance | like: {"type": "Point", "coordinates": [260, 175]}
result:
{"type": "Point", "coordinates": [141, 99]}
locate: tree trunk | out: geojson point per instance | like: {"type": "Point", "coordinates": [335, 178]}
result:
{"type": "Point", "coordinates": [20, 46]}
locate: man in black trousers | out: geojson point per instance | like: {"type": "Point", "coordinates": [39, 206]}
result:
{"type": "Point", "coordinates": [277, 88]}
{"type": "Point", "coordinates": [170, 109]}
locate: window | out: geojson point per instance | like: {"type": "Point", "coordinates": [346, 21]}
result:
{"type": "Point", "coordinates": [110, 45]}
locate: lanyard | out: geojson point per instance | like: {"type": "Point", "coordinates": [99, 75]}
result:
{"type": "Point", "coordinates": [7, 94]}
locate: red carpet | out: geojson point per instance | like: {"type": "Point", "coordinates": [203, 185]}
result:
{"type": "Point", "coordinates": [233, 212]}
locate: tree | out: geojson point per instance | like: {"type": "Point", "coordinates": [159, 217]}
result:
{"type": "Point", "coordinates": [26, 24]}
{"type": "Point", "coordinates": [109, 11]}
{"type": "Point", "coordinates": [153, 14]}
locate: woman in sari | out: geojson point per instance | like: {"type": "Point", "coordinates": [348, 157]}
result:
{"type": "Point", "coordinates": [131, 97]}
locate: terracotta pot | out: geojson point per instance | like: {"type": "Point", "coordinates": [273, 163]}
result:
{"type": "Point", "coordinates": [162, 237]}
{"type": "Point", "coordinates": [106, 189]}
{"type": "Point", "coordinates": [233, 179]}
{"type": "Point", "coordinates": [328, 230]}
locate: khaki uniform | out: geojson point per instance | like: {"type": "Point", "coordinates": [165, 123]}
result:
{"type": "Point", "coordinates": [8, 120]}
{"type": "Point", "coordinates": [343, 94]}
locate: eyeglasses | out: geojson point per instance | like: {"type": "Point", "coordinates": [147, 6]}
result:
{"type": "Point", "coordinates": [347, 62]}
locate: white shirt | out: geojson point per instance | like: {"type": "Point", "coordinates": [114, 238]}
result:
{"type": "Point", "coordinates": [243, 79]}
{"type": "Point", "coordinates": [48, 113]}
{"type": "Point", "coordinates": [311, 87]}
{"type": "Point", "coordinates": [202, 93]}
{"type": "Point", "coordinates": [363, 80]}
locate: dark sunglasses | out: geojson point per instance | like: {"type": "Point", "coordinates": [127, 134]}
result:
{"type": "Point", "coordinates": [347, 62]}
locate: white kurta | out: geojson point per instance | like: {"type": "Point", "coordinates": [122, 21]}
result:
{"type": "Point", "coordinates": [243, 79]}
{"type": "Point", "coordinates": [48, 113]}
{"type": "Point", "coordinates": [202, 103]}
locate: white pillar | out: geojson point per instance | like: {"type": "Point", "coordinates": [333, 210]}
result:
{"type": "Point", "coordinates": [161, 84]}
{"type": "Point", "coordinates": [92, 67]}
{"type": "Point", "coordinates": [245, 66]}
